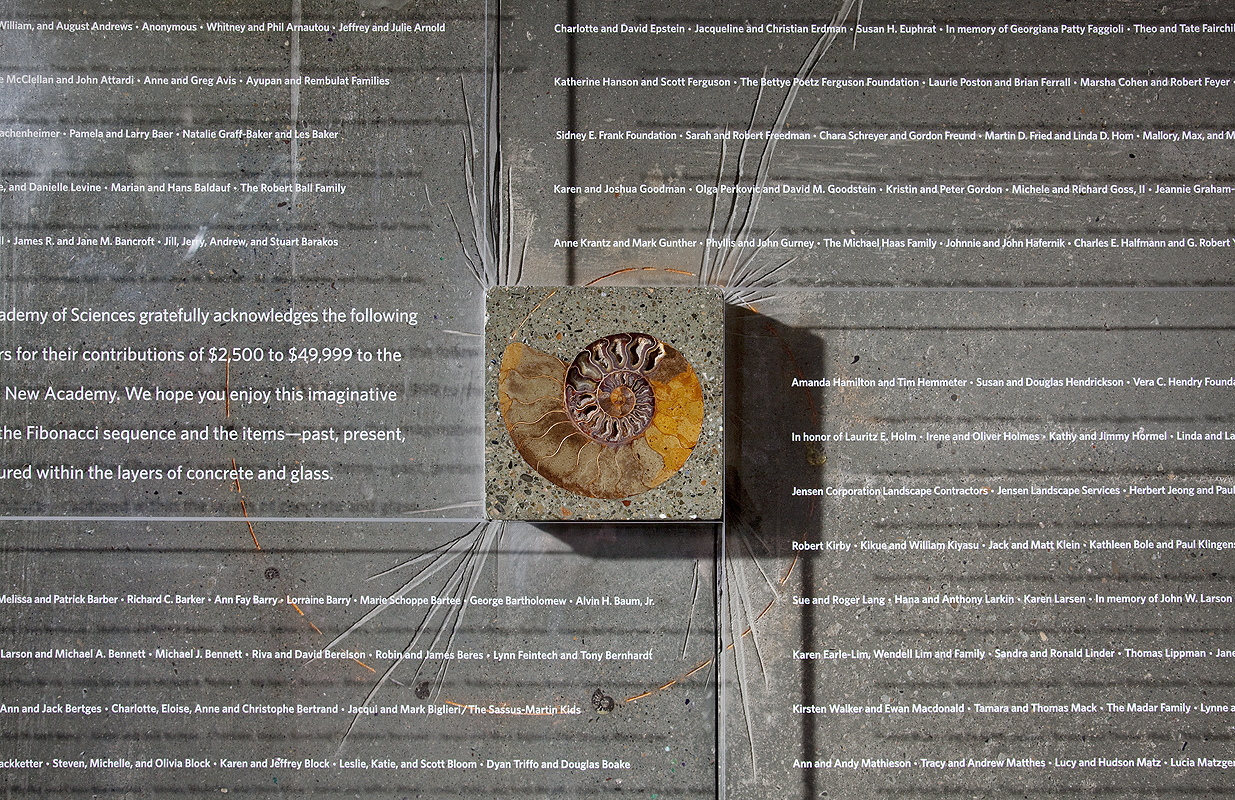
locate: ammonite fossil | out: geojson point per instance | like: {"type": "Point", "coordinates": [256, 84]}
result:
{"type": "Point", "coordinates": [619, 420]}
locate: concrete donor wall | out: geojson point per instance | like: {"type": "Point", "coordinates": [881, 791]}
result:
{"type": "Point", "coordinates": [940, 503]}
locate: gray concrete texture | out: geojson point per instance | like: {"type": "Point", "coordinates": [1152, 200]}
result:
{"type": "Point", "coordinates": [837, 313]}
{"type": "Point", "coordinates": [177, 652]}
{"type": "Point", "coordinates": [537, 109]}
{"type": "Point", "coordinates": [805, 697]}
{"type": "Point", "coordinates": [991, 570]}
{"type": "Point", "coordinates": [515, 710]}
{"type": "Point", "coordinates": [367, 229]}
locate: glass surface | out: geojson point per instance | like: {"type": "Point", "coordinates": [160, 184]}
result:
{"type": "Point", "coordinates": [977, 418]}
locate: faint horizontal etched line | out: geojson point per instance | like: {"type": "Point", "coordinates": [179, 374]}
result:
{"type": "Point", "coordinates": [444, 389]}
{"type": "Point", "coordinates": [1061, 422]}
{"type": "Point", "coordinates": [232, 732]}
{"type": "Point", "coordinates": [880, 242]}
{"type": "Point", "coordinates": [225, 175]}
{"type": "Point", "coordinates": [869, 171]}
{"type": "Point", "coordinates": [224, 282]}
{"type": "Point", "coordinates": [249, 633]}
{"type": "Point", "coordinates": [1011, 327]}
{"type": "Point", "coordinates": [443, 352]}
{"type": "Point", "coordinates": [1056, 735]}
{"type": "Point", "coordinates": [444, 786]}
{"type": "Point", "coordinates": [225, 519]}
{"type": "Point", "coordinates": [354, 66]}
{"type": "Point", "coordinates": [235, 18]}
{"type": "Point", "coordinates": [1068, 524]}
{"type": "Point", "coordinates": [1128, 578]}
{"type": "Point", "coordinates": [444, 430]}
{"type": "Point", "coordinates": [1168, 625]}
{"type": "Point", "coordinates": [1040, 685]}
{"type": "Point", "coordinates": [1014, 327]}
{"type": "Point", "coordinates": [1022, 288]}
{"type": "Point", "coordinates": [1054, 788]}
{"type": "Point", "coordinates": [60, 548]}
{"type": "Point", "coordinates": [704, 526]}
{"type": "Point", "coordinates": [1040, 475]}
{"type": "Point", "coordinates": [232, 123]}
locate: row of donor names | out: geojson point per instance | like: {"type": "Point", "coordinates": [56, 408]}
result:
{"type": "Point", "coordinates": [193, 245]}
{"type": "Point", "coordinates": [63, 26]}
{"type": "Point", "coordinates": [364, 600]}
{"type": "Point", "coordinates": [893, 28]}
{"type": "Point", "coordinates": [1024, 762]}
{"type": "Point", "coordinates": [1012, 189]}
{"type": "Point", "coordinates": [998, 654]}
{"type": "Point", "coordinates": [266, 709]}
{"type": "Point", "coordinates": [577, 763]}
{"type": "Point", "coordinates": [1036, 599]}
{"type": "Point", "coordinates": [1205, 83]}
{"type": "Point", "coordinates": [85, 653]}
{"type": "Point", "coordinates": [163, 188]}
{"type": "Point", "coordinates": [883, 244]}
{"type": "Point", "coordinates": [131, 82]}
{"type": "Point", "coordinates": [1028, 707]}
{"type": "Point", "coordinates": [926, 544]}
{"type": "Point", "coordinates": [1034, 490]}
{"type": "Point", "coordinates": [158, 134]}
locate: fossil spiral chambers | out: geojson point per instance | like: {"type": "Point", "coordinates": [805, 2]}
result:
{"type": "Point", "coordinates": [621, 419]}
{"type": "Point", "coordinates": [607, 397]}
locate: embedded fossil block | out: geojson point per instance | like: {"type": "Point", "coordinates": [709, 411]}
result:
{"type": "Point", "coordinates": [622, 418]}
{"type": "Point", "coordinates": [607, 401]}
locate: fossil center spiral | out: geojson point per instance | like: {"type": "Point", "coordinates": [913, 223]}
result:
{"type": "Point", "coordinates": [621, 401]}
{"type": "Point", "coordinates": [608, 397]}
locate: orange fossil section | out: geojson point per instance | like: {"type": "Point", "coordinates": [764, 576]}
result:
{"type": "Point", "coordinates": [531, 397]}
{"type": "Point", "coordinates": [678, 421]}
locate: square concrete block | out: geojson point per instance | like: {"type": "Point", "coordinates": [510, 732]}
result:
{"type": "Point", "coordinates": [604, 404]}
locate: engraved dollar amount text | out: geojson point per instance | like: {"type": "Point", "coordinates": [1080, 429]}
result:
{"type": "Point", "coordinates": [314, 355]}
{"type": "Point", "coordinates": [305, 355]}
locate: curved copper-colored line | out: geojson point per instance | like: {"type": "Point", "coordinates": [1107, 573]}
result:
{"type": "Point", "coordinates": [707, 662]}
{"type": "Point", "coordinates": [598, 455]}
{"type": "Point", "coordinates": [243, 508]}
{"type": "Point", "coordinates": [603, 450]}
{"type": "Point", "coordinates": [514, 400]}
{"type": "Point", "coordinates": [558, 450]}
{"type": "Point", "coordinates": [616, 466]}
{"type": "Point", "coordinates": [789, 571]}
{"type": "Point", "coordinates": [673, 682]}
{"type": "Point", "coordinates": [551, 427]}
{"type": "Point", "coordinates": [542, 416]}
{"type": "Point", "coordinates": [579, 455]}
{"type": "Point", "coordinates": [699, 666]}
{"type": "Point", "coordinates": [750, 305]}
{"type": "Point", "coordinates": [515, 332]}
{"type": "Point", "coordinates": [637, 269]}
